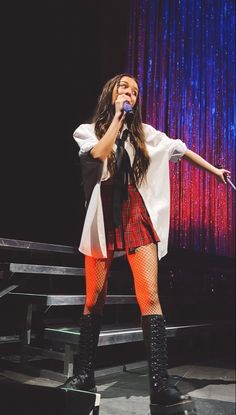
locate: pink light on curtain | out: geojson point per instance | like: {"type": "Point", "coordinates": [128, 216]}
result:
{"type": "Point", "coordinates": [183, 53]}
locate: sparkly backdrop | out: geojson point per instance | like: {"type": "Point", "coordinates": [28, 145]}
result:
{"type": "Point", "coordinates": [183, 53]}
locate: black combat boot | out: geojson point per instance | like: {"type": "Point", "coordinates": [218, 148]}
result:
{"type": "Point", "coordinates": [165, 399]}
{"type": "Point", "coordinates": [83, 378]}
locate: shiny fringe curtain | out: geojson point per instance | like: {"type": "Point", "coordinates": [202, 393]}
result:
{"type": "Point", "coordinates": [183, 53]}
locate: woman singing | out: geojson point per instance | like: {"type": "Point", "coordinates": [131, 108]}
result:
{"type": "Point", "coordinates": [125, 168]}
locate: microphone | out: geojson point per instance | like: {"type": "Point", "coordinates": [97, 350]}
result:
{"type": "Point", "coordinates": [128, 108]}
{"type": "Point", "coordinates": [230, 182]}
{"type": "Point", "coordinates": [129, 113]}
{"type": "Point", "coordinates": [227, 178]}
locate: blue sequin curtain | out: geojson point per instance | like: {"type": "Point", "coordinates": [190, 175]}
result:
{"type": "Point", "coordinates": [183, 53]}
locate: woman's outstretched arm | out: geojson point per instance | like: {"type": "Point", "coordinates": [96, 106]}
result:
{"type": "Point", "coordinates": [200, 162]}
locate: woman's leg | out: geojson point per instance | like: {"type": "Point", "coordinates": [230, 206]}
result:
{"type": "Point", "coordinates": [96, 273]}
{"type": "Point", "coordinates": [164, 398]}
{"type": "Point", "coordinates": [144, 266]}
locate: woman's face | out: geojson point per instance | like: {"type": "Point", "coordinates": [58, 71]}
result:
{"type": "Point", "coordinates": [127, 86]}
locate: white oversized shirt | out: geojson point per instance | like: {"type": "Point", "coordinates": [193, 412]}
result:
{"type": "Point", "coordinates": [155, 189]}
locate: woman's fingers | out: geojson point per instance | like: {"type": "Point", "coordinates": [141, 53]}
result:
{"type": "Point", "coordinates": [123, 97]}
{"type": "Point", "coordinates": [120, 102]}
{"type": "Point", "coordinates": [223, 175]}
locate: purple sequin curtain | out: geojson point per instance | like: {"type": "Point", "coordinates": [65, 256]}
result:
{"type": "Point", "coordinates": [183, 53]}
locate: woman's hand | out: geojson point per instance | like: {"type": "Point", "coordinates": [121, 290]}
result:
{"type": "Point", "coordinates": [195, 159]}
{"type": "Point", "coordinates": [222, 174]}
{"type": "Point", "coordinates": [119, 103]}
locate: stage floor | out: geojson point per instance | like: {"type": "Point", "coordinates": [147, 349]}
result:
{"type": "Point", "coordinates": [211, 383]}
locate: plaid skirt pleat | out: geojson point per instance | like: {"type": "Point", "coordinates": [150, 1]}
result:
{"type": "Point", "coordinates": [136, 228]}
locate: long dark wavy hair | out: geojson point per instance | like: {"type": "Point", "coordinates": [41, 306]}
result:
{"type": "Point", "coordinates": [103, 116]}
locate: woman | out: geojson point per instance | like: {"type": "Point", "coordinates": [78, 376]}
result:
{"type": "Point", "coordinates": [125, 167]}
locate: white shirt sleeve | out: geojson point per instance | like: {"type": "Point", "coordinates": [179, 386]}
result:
{"type": "Point", "coordinates": [85, 137]}
{"type": "Point", "coordinates": [175, 148]}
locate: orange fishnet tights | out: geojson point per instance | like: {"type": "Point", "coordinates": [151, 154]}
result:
{"type": "Point", "coordinates": [144, 266]}
{"type": "Point", "coordinates": [96, 273]}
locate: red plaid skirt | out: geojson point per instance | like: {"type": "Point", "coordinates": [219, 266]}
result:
{"type": "Point", "coordinates": [136, 228]}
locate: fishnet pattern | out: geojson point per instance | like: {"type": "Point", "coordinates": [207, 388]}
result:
{"type": "Point", "coordinates": [96, 273]}
{"type": "Point", "coordinates": [144, 266]}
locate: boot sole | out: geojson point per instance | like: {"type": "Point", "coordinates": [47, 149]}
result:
{"type": "Point", "coordinates": [186, 408]}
